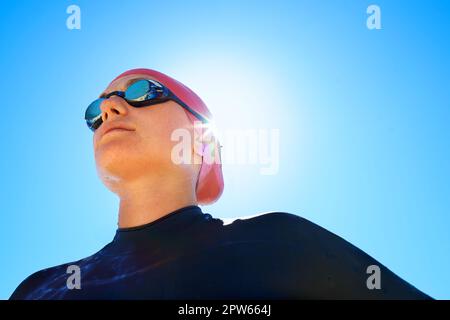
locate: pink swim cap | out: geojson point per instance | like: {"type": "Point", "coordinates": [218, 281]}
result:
{"type": "Point", "coordinates": [210, 182]}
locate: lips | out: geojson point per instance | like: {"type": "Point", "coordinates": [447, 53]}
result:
{"type": "Point", "coordinates": [114, 126]}
{"type": "Point", "coordinates": [115, 129]}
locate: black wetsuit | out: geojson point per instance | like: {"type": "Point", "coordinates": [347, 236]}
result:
{"type": "Point", "coordinates": [188, 254]}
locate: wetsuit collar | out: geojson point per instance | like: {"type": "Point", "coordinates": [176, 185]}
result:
{"type": "Point", "coordinates": [171, 225]}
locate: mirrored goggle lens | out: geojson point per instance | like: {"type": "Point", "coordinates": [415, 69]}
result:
{"type": "Point", "coordinates": [93, 115]}
{"type": "Point", "coordinates": [141, 90]}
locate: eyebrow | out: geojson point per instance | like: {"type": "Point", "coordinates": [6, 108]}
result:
{"type": "Point", "coordinates": [127, 84]}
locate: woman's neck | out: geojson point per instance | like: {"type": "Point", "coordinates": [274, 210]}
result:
{"type": "Point", "coordinates": [151, 198]}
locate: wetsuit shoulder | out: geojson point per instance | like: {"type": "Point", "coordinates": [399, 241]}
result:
{"type": "Point", "coordinates": [322, 265]}
{"type": "Point", "coordinates": [274, 226]}
{"type": "Point", "coordinates": [34, 285]}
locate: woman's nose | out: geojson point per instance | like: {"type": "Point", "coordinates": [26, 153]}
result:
{"type": "Point", "coordinates": [113, 107]}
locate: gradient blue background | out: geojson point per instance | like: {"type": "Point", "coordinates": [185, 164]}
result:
{"type": "Point", "coordinates": [363, 118]}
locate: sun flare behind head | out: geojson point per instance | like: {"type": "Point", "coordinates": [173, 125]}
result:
{"type": "Point", "coordinates": [237, 90]}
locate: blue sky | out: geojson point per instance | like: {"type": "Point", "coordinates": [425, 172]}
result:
{"type": "Point", "coordinates": [363, 117]}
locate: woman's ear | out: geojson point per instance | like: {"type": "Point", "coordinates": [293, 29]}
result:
{"type": "Point", "coordinates": [206, 144]}
{"type": "Point", "coordinates": [198, 140]}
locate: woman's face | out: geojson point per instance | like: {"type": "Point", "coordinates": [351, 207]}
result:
{"type": "Point", "coordinates": [133, 142]}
